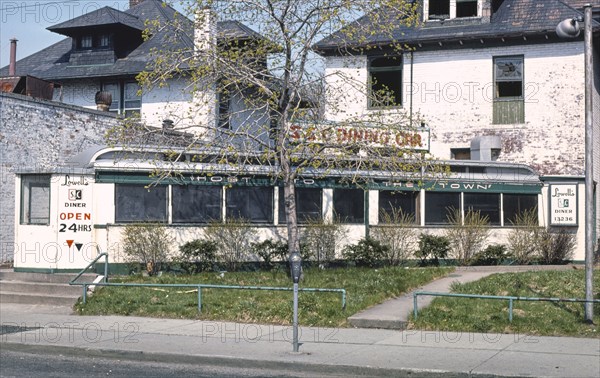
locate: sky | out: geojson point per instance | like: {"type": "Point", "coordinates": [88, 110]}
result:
{"type": "Point", "coordinates": [27, 21]}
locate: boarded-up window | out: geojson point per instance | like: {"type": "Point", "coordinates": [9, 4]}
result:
{"type": "Point", "coordinates": [252, 204]}
{"type": "Point", "coordinates": [308, 205]}
{"type": "Point", "coordinates": [348, 205]}
{"type": "Point", "coordinates": [509, 104]}
{"type": "Point", "coordinates": [196, 204]}
{"type": "Point", "coordinates": [136, 203]}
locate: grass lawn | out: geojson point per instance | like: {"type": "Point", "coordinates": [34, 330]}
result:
{"type": "Point", "coordinates": [537, 318]}
{"type": "Point", "coordinates": [365, 288]}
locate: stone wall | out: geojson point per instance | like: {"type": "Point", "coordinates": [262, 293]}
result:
{"type": "Point", "coordinates": [39, 135]}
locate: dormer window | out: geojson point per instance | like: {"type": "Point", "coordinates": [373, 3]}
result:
{"type": "Point", "coordinates": [449, 9]}
{"type": "Point", "coordinates": [86, 42]}
{"type": "Point", "coordinates": [104, 40]}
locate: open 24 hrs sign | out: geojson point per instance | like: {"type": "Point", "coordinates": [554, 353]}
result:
{"type": "Point", "coordinates": [563, 204]}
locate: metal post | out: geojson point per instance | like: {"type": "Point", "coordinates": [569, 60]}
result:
{"type": "Point", "coordinates": [105, 267]}
{"type": "Point", "coordinates": [510, 310]}
{"type": "Point", "coordinates": [199, 299]}
{"type": "Point", "coordinates": [84, 296]}
{"type": "Point", "coordinates": [295, 320]}
{"type": "Point", "coordinates": [415, 305]}
{"type": "Point", "coordinates": [589, 171]}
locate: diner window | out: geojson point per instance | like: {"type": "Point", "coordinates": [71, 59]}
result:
{"type": "Point", "coordinates": [250, 203]}
{"type": "Point", "coordinates": [392, 205]}
{"type": "Point", "coordinates": [509, 100]}
{"type": "Point", "coordinates": [487, 204]}
{"type": "Point", "coordinates": [439, 206]}
{"type": "Point", "coordinates": [308, 205]}
{"type": "Point", "coordinates": [348, 205]}
{"type": "Point", "coordinates": [138, 203]}
{"type": "Point", "coordinates": [385, 80]}
{"type": "Point", "coordinates": [517, 204]}
{"type": "Point", "coordinates": [196, 204]}
{"type": "Point", "coordinates": [35, 199]}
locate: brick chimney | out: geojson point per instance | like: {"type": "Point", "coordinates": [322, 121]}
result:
{"type": "Point", "coordinates": [205, 41]}
{"type": "Point", "coordinates": [133, 3]}
{"type": "Point", "coordinates": [12, 66]}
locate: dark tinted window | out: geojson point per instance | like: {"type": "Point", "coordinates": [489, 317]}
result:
{"type": "Point", "coordinates": [393, 201]}
{"type": "Point", "coordinates": [438, 205]}
{"type": "Point", "coordinates": [515, 204]}
{"type": "Point", "coordinates": [308, 204]}
{"type": "Point", "coordinates": [196, 204]}
{"type": "Point", "coordinates": [348, 205]}
{"type": "Point", "coordinates": [35, 199]}
{"type": "Point", "coordinates": [253, 204]}
{"type": "Point", "coordinates": [136, 203]}
{"type": "Point", "coordinates": [488, 205]}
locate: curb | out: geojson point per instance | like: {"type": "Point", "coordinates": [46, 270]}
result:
{"type": "Point", "coordinates": [204, 360]}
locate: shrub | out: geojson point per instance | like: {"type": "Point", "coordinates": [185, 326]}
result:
{"type": "Point", "coordinates": [524, 238]}
{"type": "Point", "coordinates": [556, 247]}
{"type": "Point", "coordinates": [467, 236]}
{"type": "Point", "coordinates": [147, 243]}
{"type": "Point", "coordinates": [320, 240]}
{"type": "Point", "coordinates": [367, 252]}
{"type": "Point", "coordinates": [197, 256]}
{"type": "Point", "coordinates": [233, 240]}
{"type": "Point", "coordinates": [491, 255]}
{"type": "Point", "coordinates": [398, 234]}
{"type": "Point", "coordinates": [432, 248]}
{"type": "Point", "coordinates": [270, 251]}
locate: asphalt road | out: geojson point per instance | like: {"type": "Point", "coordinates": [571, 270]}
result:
{"type": "Point", "coordinates": [23, 364]}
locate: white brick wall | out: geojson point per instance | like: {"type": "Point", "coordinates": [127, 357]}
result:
{"type": "Point", "coordinates": [453, 90]}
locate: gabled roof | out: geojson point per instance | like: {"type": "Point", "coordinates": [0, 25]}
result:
{"type": "Point", "coordinates": [106, 16]}
{"type": "Point", "coordinates": [514, 18]}
{"type": "Point", "coordinates": [53, 62]}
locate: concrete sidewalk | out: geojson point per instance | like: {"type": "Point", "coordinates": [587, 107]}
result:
{"type": "Point", "coordinates": [394, 313]}
{"type": "Point", "coordinates": [352, 352]}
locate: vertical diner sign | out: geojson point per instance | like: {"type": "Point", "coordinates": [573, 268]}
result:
{"type": "Point", "coordinates": [563, 204]}
{"type": "Point", "coordinates": [75, 217]}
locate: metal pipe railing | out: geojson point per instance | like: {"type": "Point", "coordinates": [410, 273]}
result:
{"type": "Point", "coordinates": [208, 286]}
{"type": "Point", "coordinates": [510, 300]}
{"type": "Point", "coordinates": [102, 254]}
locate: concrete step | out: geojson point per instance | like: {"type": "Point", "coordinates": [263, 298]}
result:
{"type": "Point", "coordinates": [37, 299]}
{"type": "Point", "coordinates": [44, 277]}
{"type": "Point", "coordinates": [45, 288]}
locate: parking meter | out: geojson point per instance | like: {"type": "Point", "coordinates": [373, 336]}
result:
{"type": "Point", "coordinates": [296, 266]}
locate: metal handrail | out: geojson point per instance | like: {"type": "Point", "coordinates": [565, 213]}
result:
{"type": "Point", "coordinates": [510, 299]}
{"type": "Point", "coordinates": [105, 279]}
{"type": "Point", "coordinates": [208, 286]}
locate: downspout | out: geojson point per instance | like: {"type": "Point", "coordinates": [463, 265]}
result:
{"type": "Point", "coordinates": [366, 207]}
{"type": "Point", "coordinates": [411, 87]}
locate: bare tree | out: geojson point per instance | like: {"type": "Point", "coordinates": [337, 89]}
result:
{"type": "Point", "coordinates": [269, 89]}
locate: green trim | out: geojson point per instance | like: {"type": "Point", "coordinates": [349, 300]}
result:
{"type": "Point", "coordinates": [248, 180]}
{"type": "Point", "coordinates": [45, 270]}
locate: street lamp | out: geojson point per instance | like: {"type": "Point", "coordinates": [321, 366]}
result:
{"type": "Point", "coordinates": [296, 271]}
{"type": "Point", "coordinates": [570, 28]}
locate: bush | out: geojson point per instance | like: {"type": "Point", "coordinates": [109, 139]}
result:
{"type": "Point", "coordinates": [271, 251]}
{"type": "Point", "coordinates": [556, 247]}
{"type": "Point", "coordinates": [467, 236]}
{"type": "Point", "coordinates": [523, 240]}
{"type": "Point", "coordinates": [367, 252]}
{"type": "Point", "coordinates": [492, 255]}
{"type": "Point", "coordinates": [147, 243]}
{"type": "Point", "coordinates": [320, 240]}
{"type": "Point", "coordinates": [432, 248]}
{"type": "Point", "coordinates": [398, 233]}
{"type": "Point", "coordinates": [197, 256]}
{"type": "Point", "coordinates": [233, 240]}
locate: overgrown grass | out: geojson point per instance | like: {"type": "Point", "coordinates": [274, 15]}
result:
{"type": "Point", "coordinates": [365, 288]}
{"type": "Point", "coordinates": [536, 318]}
